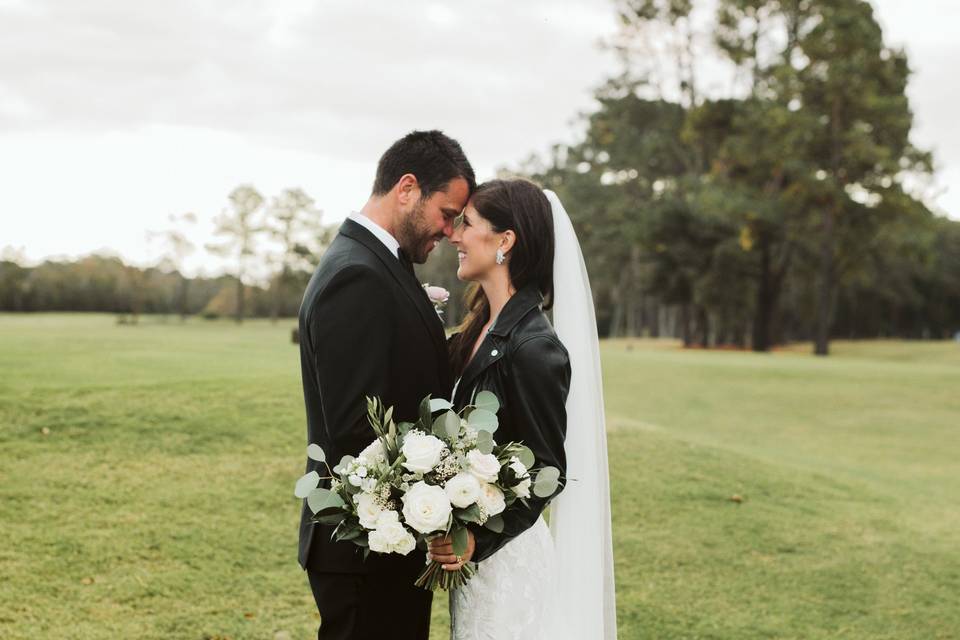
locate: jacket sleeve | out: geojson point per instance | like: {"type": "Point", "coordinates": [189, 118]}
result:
{"type": "Point", "coordinates": [536, 394]}
{"type": "Point", "coordinates": [351, 329]}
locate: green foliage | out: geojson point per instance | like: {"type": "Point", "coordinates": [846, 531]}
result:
{"type": "Point", "coordinates": [743, 216]}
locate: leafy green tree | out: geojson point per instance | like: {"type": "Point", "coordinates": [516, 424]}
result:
{"type": "Point", "coordinates": [854, 86]}
{"type": "Point", "coordinates": [240, 227]}
{"type": "Point", "coordinates": [295, 226]}
{"type": "Point", "coordinates": [176, 248]}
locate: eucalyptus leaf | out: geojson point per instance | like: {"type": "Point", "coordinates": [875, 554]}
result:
{"type": "Point", "coordinates": [483, 420]}
{"type": "Point", "coordinates": [425, 413]}
{"type": "Point", "coordinates": [495, 524]}
{"type": "Point", "coordinates": [526, 456]}
{"type": "Point", "coordinates": [488, 401]}
{"type": "Point", "coordinates": [315, 452]}
{"type": "Point", "coordinates": [460, 541]}
{"type": "Point", "coordinates": [439, 428]}
{"type": "Point", "coordinates": [404, 428]}
{"type": "Point", "coordinates": [547, 482]}
{"type": "Point", "coordinates": [469, 514]}
{"type": "Point", "coordinates": [451, 424]}
{"type": "Point", "coordinates": [321, 500]}
{"type": "Point", "coordinates": [439, 404]}
{"type": "Point", "coordinates": [485, 442]}
{"type": "Point", "coordinates": [306, 484]}
{"type": "Point", "coordinates": [315, 497]}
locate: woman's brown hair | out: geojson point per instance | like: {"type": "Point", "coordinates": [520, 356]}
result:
{"type": "Point", "coordinates": [520, 206]}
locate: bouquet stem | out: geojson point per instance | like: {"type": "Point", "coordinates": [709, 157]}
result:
{"type": "Point", "coordinates": [434, 577]}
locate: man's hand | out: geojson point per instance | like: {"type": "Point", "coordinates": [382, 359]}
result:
{"type": "Point", "coordinates": [441, 550]}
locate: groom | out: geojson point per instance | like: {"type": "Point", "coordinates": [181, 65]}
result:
{"type": "Point", "coordinates": [367, 328]}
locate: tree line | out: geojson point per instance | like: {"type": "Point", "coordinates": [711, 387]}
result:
{"type": "Point", "coordinates": [272, 247]}
{"type": "Point", "coordinates": [780, 204]}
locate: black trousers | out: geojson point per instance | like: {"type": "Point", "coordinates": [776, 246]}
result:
{"type": "Point", "coordinates": [370, 606]}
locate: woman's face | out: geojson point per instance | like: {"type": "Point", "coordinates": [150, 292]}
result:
{"type": "Point", "coordinates": [476, 244]}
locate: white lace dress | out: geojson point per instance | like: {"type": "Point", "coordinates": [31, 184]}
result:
{"type": "Point", "coordinates": [509, 597]}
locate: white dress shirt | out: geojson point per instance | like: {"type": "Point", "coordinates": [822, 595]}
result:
{"type": "Point", "coordinates": [382, 234]}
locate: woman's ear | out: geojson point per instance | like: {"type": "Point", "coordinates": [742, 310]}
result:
{"type": "Point", "coordinates": [507, 240]}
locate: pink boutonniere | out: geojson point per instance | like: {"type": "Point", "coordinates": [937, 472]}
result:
{"type": "Point", "coordinates": [438, 296]}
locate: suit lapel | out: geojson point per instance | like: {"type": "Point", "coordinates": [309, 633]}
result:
{"type": "Point", "coordinates": [407, 281]}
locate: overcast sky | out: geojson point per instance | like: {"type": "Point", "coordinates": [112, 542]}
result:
{"type": "Point", "coordinates": [115, 114]}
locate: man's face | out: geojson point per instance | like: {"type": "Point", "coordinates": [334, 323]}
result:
{"type": "Point", "coordinates": [431, 220]}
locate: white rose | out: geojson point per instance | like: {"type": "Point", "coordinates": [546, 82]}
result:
{"type": "Point", "coordinates": [422, 451]}
{"type": "Point", "coordinates": [463, 489]}
{"type": "Point", "coordinates": [522, 489]}
{"type": "Point", "coordinates": [387, 517]}
{"type": "Point", "coordinates": [491, 499]}
{"type": "Point", "coordinates": [426, 508]}
{"type": "Point", "coordinates": [391, 537]}
{"type": "Point", "coordinates": [406, 544]}
{"type": "Point", "coordinates": [367, 510]}
{"type": "Point", "coordinates": [518, 467]}
{"type": "Point", "coordinates": [483, 465]}
{"type": "Point", "coordinates": [374, 452]}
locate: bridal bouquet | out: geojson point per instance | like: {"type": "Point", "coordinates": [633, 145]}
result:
{"type": "Point", "coordinates": [421, 480]}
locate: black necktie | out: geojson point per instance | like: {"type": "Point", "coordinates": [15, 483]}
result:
{"type": "Point", "coordinates": [405, 261]}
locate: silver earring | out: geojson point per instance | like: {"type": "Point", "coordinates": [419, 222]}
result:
{"type": "Point", "coordinates": [500, 256]}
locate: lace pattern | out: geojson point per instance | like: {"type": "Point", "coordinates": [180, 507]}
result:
{"type": "Point", "coordinates": [508, 598]}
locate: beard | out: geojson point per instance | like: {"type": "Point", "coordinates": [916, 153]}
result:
{"type": "Point", "coordinates": [414, 234]}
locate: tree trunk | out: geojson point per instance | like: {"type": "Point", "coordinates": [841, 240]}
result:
{"type": "Point", "coordinates": [239, 317]}
{"type": "Point", "coordinates": [184, 298]}
{"type": "Point", "coordinates": [654, 307]}
{"type": "Point", "coordinates": [763, 314]}
{"type": "Point", "coordinates": [703, 324]}
{"type": "Point", "coordinates": [825, 287]}
{"type": "Point", "coordinates": [275, 298]}
{"type": "Point", "coordinates": [621, 304]}
{"type": "Point", "coordinates": [827, 273]}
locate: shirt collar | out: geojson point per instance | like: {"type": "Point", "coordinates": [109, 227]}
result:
{"type": "Point", "coordinates": [379, 232]}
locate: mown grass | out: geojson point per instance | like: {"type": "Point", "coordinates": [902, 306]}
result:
{"type": "Point", "coordinates": [146, 478]}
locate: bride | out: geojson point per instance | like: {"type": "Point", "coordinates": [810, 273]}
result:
{"type": "Point", "coordinates": [517, 247]}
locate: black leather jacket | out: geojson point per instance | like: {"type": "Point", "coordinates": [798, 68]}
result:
{"type": "Point", "coordinates": [523, 362]}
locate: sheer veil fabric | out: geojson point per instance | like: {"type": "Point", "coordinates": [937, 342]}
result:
{"type": "Point", "coordinates": [585, 598]}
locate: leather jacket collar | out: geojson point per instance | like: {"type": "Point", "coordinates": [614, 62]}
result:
{"type": "Point", "coordinates": [494, 345]}
{"type": "Point", "coordinates": [518, 306]}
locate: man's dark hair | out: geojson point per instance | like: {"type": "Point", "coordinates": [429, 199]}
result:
{"type": "Point", "coordinates": [434, 158]}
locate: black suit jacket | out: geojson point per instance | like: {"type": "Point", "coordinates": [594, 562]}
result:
{"type": "Point", "coordinates": [367, 328]}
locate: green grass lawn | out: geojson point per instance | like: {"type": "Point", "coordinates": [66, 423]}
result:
{"type": "Point", "coordinates": [147, 472]}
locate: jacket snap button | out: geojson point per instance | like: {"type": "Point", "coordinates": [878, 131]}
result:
{"type": "Point", "coordinates": [494, 352]}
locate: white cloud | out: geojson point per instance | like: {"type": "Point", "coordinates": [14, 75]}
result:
{"type": "Point", "coordinates": [115, 114]}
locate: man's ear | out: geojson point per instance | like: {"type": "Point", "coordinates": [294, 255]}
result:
{"type": "Point", "coordinates": [408, 189]}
